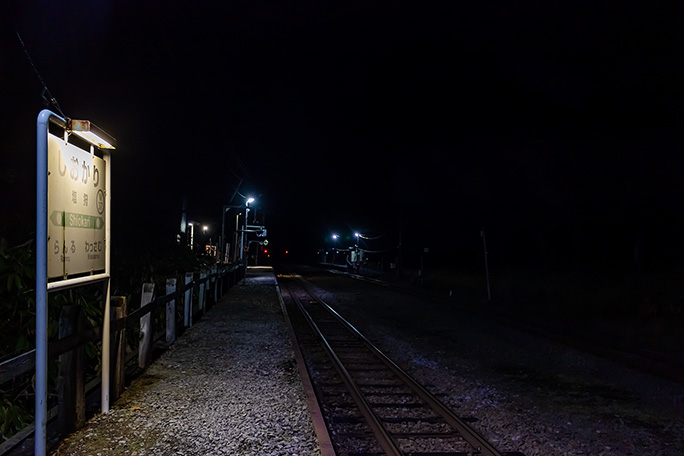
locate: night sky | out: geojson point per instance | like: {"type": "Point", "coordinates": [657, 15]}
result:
{"type": "Point", "coordinates": [556, 126]}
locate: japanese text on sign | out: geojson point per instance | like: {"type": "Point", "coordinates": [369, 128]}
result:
{"type": "Point", "coordinates": [76, 210]}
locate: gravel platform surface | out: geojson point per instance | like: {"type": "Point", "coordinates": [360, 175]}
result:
{"type": "Point", "coordinates": [228, 386]}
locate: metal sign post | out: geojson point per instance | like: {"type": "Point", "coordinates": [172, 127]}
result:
{"type": "Point", "coordinates": [73, 195]}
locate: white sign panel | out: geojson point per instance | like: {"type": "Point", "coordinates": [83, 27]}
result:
{"type": "Point", "coordinates": [76, 210]}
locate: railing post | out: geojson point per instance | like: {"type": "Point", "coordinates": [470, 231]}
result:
{"type": "Point", "coordinates": [71, 382]}
{"type": "Point", "coordinates": [171, 312]}
{"type": "Point", "coordinates": [146, 329]}
{"type": "Point", "coordinates": [188, 301]}
{"type": "Point", "coordinates": [222, 277]}
{"type": "Point", "coordinates": [214, 281]}
{"type": "Point", "coordinates": [118, 348]}
{"type": "Point", "coordinates": [202, 288]}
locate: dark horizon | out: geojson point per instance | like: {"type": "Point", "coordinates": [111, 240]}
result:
{"type": "Point", "coordinates": [554, 127]}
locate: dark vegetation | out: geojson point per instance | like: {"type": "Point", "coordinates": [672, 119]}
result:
{"type": "Point", "coordinates": [130, 269]}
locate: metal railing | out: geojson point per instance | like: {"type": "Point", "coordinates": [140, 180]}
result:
{"type": "Point", "coordinates": [73, 391]}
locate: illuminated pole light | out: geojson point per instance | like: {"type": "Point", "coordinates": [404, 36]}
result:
{"type": "Point", "coordinates": [192, 234]}
{"type": "Point", "coordinates": [335, 237]}
{"type": "Point", "coordinates": [225, 255]}
{"type": "Point", "coordinates": [244, 228]}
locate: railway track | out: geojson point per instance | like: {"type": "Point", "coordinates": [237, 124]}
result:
{"type": "Point", "coordinates": [370, 405]}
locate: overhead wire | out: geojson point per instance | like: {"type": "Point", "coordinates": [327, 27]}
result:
{"type": "Point", "coordinates": [47, 96]}
{"type": "Point", "coordinates": [239, 163]}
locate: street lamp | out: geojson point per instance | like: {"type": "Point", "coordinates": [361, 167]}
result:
{"type": "Point", "coordinates": [334, 238]}
{"type": "Point", "coordinates": [205, 228]}
{"type": "Point", "coordinates": [192, 235]}
{"type": "Point", "coordinates": [237, 229]}
{"type": "Point", "coordinates": [244, 227]}
{"type": "Point", "coordinates": [223, 225]}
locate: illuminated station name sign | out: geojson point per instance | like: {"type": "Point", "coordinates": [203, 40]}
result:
{"type": "Point", "coordinates": [76, 208]}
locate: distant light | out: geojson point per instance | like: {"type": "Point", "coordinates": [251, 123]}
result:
{"type": "Point", "coordinates": [334, 236]}
{"type": "Point", "coordinates": [356, 234]}
{"type": "Point", "coordinates": [250, 200]}
{"type": "Point", "coordinates": [205, 227]}
{"type": "Point", "coordinates": [287, 251]}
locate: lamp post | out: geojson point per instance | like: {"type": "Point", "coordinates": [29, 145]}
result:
{"type": "Point", "coordinates": [244, 229]}
{"type": "Point", "coordinates": [192, 235]}
{"type": "Point", "coordinates": [205, 228]}
{"type": "Point", "coordinates": [237, 229]}
{"type": "Point", "coordinates": [223, 231]}
{"type": "Point", "coordinates": [335, 237]}
{"type": "Point", "coordinates": [226, 208]}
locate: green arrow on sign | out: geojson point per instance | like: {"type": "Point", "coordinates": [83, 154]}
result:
{"type": "Point", "coordinates": [74, 220]}
{"type": "Point", "coordinates": [57, 218]}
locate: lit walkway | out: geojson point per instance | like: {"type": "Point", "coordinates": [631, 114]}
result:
{"type": "Point", "coordinates": [229, 385]}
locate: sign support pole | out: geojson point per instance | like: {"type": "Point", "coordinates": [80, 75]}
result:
{"type": "Point", "coordinates": [45, 117]}
{"type": "Point", "coordinates": [107, 310]}
{"type": "Point", "coordinates": [41, 278]}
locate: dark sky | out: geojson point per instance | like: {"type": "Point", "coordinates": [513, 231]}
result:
{"type": "Point", "coordinates": [537, 120]}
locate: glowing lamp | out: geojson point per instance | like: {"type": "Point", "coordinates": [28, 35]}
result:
{"type": "Point", "coordinates": [91, 133]}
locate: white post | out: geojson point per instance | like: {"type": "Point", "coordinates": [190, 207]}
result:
{"type": "Point", "coordinates": [108, 253]}
{"type": "Point", "coordinates": [170, 312]}
{"type": "Point", "coordinates": [145, 343]}
{"type": "Point", "coordinates": [188, 301]}
{"type": "Point", "coordinates": [106, 343]}
{"type": "Point", "coordinates": [202, 287]}
{"type": "Point", "coordinates": [214, 270]}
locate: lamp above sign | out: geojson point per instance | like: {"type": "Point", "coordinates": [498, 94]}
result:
{"type": "Point", "coordinates": [91, 133]}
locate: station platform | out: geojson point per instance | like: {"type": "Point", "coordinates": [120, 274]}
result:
{"type": "Point", "coordinates": [230, 385]}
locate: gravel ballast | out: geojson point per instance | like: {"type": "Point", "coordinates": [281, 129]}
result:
{"type": "Point", "coordinates": [522, 392]}
{"type": "Point", "coordinates": [229, 385]}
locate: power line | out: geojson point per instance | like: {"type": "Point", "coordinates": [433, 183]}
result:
{"type": "Point", "coordinates": [48, 98]}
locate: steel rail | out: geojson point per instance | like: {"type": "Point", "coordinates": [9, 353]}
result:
{"type": "Point", "coordinates": [384, 438]}
{"type": "Point", "coordinates": [470, 435]}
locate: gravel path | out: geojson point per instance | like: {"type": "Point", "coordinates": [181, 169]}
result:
{"type": "Point", "coordinates": [229, 385]}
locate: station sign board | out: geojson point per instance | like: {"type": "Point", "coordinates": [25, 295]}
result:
{"type": "Point", "coordinates": [75, 209]}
